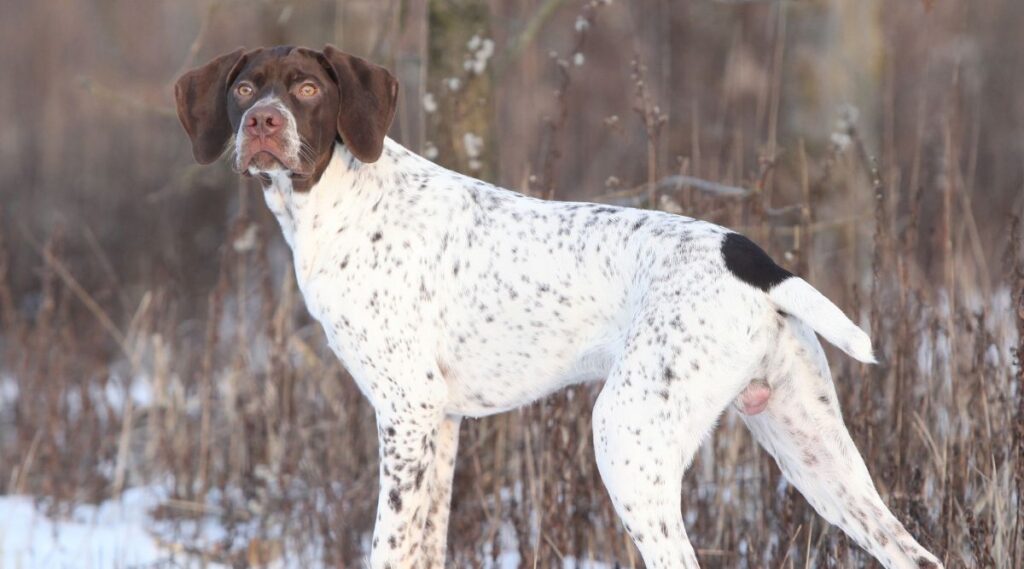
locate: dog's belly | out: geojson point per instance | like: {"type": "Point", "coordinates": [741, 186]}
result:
{"type": "Point", "coordinates": [508, 380]}
{"type": "Point", "coordinates": [541, 328]}
{"type": "Point", "coordinates": [528, 317]}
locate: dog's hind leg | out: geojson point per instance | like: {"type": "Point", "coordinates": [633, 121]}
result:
{"type": "Point", "coordinates": [803, 429]}
{"type": "Point", "coordinates": [636, 442]}
{"type": "Point", "coordinates": [435, 530]}
{"type": "Point", "coordinates": [649, 421]}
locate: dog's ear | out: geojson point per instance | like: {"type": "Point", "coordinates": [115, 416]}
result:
{"type": "Point", "coordinates": [201, 97]}
{"type": "Point", "coordinates": [368, 97]}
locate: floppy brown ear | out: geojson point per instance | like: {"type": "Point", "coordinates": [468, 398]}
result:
{"type": "Point", "coordinates": [201, 96]}
{"type": "Point", "coordinates": [368, 98]}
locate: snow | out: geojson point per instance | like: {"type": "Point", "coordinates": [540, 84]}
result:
{"type": "Point", "coordinates": [8, 390]}
{"type": "Point", "coordinates": [112, 534]}
{"type": "Point", "coordinates": [123, 534]}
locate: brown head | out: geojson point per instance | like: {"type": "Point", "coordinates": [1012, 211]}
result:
{"type": "Point", "coordinates": [286, 106]}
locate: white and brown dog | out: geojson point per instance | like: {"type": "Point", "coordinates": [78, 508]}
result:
{"type": "Point", "coordinates": [447, 297]}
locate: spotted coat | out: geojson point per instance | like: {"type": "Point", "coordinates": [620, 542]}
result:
{"type": "Point", "coordinates": [447, 297]}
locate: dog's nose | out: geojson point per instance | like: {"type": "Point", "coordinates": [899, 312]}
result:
{"type": "Point", "coordinates": [264, 121]}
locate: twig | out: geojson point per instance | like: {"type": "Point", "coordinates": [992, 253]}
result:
{"type": "Point", "coordinates": [197, 43]}
{"type": "Point", "coordinates": [678, 182]}
{"type": "Point", "coordinates": [8, 315]}
{"type": "Point", "coordinates": [528, 35]}
{"type": "Point", "coordinates": [653, 120]}
{"type": "Point", "coordinates": [553, 126]}
{"type": "Point", "coordinates": [73, 285]}
{"type": "Point", "coordinates": [105, 263]}
{"type": "Point", "coordinates": [119, 100]}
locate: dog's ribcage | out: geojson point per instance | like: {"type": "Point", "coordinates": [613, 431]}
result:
{"type": "Point", "coordinates": [516, 297]}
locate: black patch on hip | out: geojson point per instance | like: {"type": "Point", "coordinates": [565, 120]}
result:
{"type": "Point", "coordinates": [750, 263]}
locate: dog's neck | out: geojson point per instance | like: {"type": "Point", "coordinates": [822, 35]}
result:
{"type": "Point", "coordinates": [346, 188]}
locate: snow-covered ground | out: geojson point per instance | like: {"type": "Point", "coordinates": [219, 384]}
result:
{"type": "Point", "coordinates": [122, 534]}
{"type": "Point", "coordinates": [113, 534]}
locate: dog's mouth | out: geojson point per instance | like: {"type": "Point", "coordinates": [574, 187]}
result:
{"type": "Point", "coordinates": [265, 160]}
{"type": "Point", "coordinates": [267, 155]}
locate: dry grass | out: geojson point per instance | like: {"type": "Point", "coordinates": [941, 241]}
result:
{"type": "Point", "coordinates": [252, 419]}
{"type": "Point", "coordinates": [242, 412]}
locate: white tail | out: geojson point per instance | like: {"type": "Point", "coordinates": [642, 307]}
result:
{"type": "Point", "coordinates": [795, 296]}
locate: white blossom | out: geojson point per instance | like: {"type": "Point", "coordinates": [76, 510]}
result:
{"type": "Point", "coordinates": [429, 103]}
{"type": "Point", "coordinates": [486, 49]}
{"type": "Point", "coordinates": [481, 51]}
{"type": "Point", "coordinates": [848, 115]}
{"type": "Point", "coordinates": [841, 140]}
{"type": "Point", "coordinates": [666, 203]}
{"type": "Point", "coordinates": [285, 15]}
{"type": "Point", "coordinates": [581, 23]}
{"type": "Point", "coordinates": [473, 143]}
{"type": "Point", "coordinates": [453, 83]}
{"type": "Point", "coordinates": [577, 59]}
{"type": "Point", "coordinates": [429, 150]}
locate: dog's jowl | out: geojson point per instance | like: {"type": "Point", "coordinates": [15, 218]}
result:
{"type": "Point", "coordinates": [447, 297]}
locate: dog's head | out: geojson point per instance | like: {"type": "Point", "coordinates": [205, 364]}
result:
{"type": "Point", "coordinates": [285, 107]}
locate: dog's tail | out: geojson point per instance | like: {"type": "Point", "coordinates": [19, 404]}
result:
{"type": "Point", "coordinates": [793, 295]}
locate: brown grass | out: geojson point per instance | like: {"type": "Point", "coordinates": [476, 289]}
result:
{"type": "Point", "coordinates": [115, 378]}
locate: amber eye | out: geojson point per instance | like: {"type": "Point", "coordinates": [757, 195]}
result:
{"type": "Point", "coordinates": [308, 90]}
{"type": "Point", "coordinates": [244, 90]}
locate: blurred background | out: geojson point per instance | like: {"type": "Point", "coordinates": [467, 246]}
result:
{"type": "Point", "coordinates": [160, 377]}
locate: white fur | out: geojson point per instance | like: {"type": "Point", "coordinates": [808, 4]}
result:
{"type": "Point", "coordinates": [448, 297]}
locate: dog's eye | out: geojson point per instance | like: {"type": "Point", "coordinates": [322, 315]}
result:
{"type": "Point", "coordinates": [308, 90]}
{"type": "Point", "coordinates": [244, 90]}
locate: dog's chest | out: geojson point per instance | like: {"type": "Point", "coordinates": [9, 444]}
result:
{"type": "Point", "coordinates": [355, 261]}
{"type": "Point", "coordinates": [325, 267]}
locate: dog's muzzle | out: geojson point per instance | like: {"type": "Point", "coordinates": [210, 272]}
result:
{"type": "Point", "coordinates": [267, 140]}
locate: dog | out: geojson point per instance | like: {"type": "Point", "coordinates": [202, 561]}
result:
{"type": "Point", "coordinates": [447, 297]}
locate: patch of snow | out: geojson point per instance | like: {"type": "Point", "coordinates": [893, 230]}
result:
{"type": "Point", "coordinates": [8, 390]}
{"type": "Point", "coordinates": [140, 391]}
{"type": "Point", "coordinates": [112, 534]}
{"type": "Point", "coordinates": [116, 534]}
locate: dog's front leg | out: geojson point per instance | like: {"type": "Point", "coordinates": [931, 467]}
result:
{"type": "Point", "coordinates": [408, 450]}
{"type": "Point", "coordinates": [435, 531]}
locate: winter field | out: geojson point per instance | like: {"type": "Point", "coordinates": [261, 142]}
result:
{"type": "Point", "coordinates": [166, 401]}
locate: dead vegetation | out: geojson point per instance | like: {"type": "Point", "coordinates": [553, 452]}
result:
{"type": "Point", "coordinates": [118, 372]}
